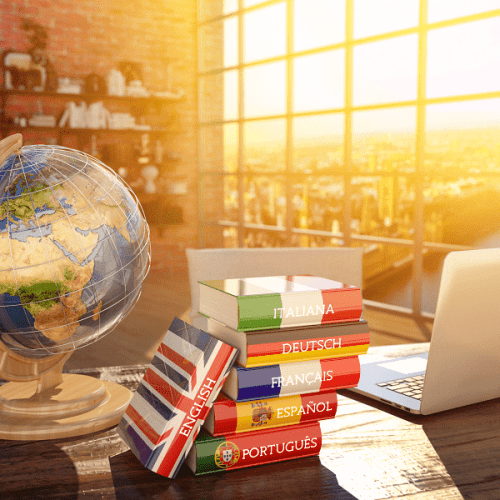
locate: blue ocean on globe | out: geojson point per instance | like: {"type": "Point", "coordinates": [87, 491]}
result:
{"type": "Point", "coordinates": [74, 250]}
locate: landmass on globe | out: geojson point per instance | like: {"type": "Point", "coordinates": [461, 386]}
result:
{"type": "Point", "coordinates": [72, 243]}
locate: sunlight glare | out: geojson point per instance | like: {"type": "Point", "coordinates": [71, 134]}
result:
{"type": "Point", "coordinates": [439, 10]}
{"type": "Point", "coordinates": [464, 59]}
{"type": "Point", "coordinates": [230, 6]}
{"type": "Point", "coordinates": [319, 81]}
{"type": "Point", "coordinates": [393, 120]}
{"type": "Point", "coordinates": [481, 113]}
{"type": "Point", "coordinates": [265, 32]}
{"type": "Point", "coordinates": [265, 89]}
{"type": "Point", "coordinates": [257, 133]}
{"type": "Point", "coordinates": [386, 71]}
{"type": "Point", "coordinates": [318, 23]}
{"type": "Point", "coordinates": [382, 16]}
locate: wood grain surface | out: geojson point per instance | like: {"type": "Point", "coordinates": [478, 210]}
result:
{"type": "Point", "coordinates": [369, 451]}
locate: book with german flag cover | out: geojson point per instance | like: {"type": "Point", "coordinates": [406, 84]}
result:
{"type": "Point", "coordinates": [229, 417]}
{"type": "Point", "coordinates": [287, 345]}
{"type": "Point", "coordinates": [211, 454]}
{"type": "Point", "coordinates": [260, 303]}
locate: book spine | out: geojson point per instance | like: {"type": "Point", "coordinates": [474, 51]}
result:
{"type": "Point", "coordinates": [231, 417]}
{"type": "Point", "coordinates": [288, 379]}
{"type": "Point", "coordinates": [264, 312]}
{"type": "Point", "coordinates": [310, 349]}
{"type": "Point", "coordinates": [236, 451]}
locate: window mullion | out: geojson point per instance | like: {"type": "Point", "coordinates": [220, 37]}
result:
{"type": "Point", "coordinates": [419, 163]}
{"type": "Point", "coordinates": [241, 144]}
{"type": "Point", "coordinates": [347, 216]}
{"type": "Point", "coordinates": [289, 125]}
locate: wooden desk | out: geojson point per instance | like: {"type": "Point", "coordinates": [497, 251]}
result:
{"type": "Point", "coordinates": [367, 453]}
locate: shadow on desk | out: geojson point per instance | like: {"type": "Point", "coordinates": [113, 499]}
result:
{"type": "Point", "coordinates": [302, 478]}
{"type": "Point", "coordinates": [460, 448]}
{"type": "Point", "coordinates": [37, 470]}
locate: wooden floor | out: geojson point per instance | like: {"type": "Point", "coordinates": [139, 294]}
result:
{"type": "Point", "coordinates": [166, 295]}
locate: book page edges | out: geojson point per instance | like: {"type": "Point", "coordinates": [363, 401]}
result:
{"type": "Point", "coordinates": [219, 305]}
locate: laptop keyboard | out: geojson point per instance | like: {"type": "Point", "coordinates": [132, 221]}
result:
{"type": "Point", "coordinates": [411, 387]}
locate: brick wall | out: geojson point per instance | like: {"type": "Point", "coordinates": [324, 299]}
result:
{"type": "Point", "coordinates": [93, 36]}
{"type": "Point", "coordinates": [211, 107]}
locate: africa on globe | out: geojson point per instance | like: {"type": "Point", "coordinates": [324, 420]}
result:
{"type": "Point", "coordinates": [74, 250]}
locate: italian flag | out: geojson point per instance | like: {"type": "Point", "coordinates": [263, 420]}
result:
{"type": "Point", "coordinates": [308, 306]}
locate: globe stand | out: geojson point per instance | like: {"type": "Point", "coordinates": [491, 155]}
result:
{"type": "Point", "coordinates": [41, 402]}
{"type": "Point", "coordinates": [9, 145]}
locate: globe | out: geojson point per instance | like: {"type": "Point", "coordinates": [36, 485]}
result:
{"type": "Point", "coordinates": [74, 250]}
{"type": "Point", "coordinates": [74, 253]}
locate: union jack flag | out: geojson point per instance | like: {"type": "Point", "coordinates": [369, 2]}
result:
{"type": "Point", "coordinates": [175, 396]}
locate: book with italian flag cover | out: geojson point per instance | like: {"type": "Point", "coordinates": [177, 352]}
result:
{"type": "Point", "coordinates": [287, 379]}
{"type": "Point", "coordinates": [229, 417]}
{"type": "Point", "coordinates": [211, 454]}
{"type": "Point", "coordinates": [260, 303]}
{"type": "Point", "coordinates": [287, 345]}
{"type": "Point", "coordinates": [174, 397]}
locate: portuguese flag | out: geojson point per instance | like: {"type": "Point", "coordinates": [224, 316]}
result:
{"type": "Point", "coordinates": [234, 451]}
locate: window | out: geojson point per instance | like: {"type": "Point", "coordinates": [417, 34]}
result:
{"type": "Point", "coordinates": [352, 122]}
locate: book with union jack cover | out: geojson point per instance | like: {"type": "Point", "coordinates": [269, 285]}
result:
{"type": "Point", "coordinates": [173, 399]}
{"type": "Point", "coordinates": [270, 302]}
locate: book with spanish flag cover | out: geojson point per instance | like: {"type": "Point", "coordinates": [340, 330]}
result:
{"type": "Point", "coordinates": [211, 454]}
{"type": "Point", "coordinates": [229, 417]}
{"type": "Point", "coordinates": [304, 343]}
{"type": "Point", "coordinates": [271, 302]}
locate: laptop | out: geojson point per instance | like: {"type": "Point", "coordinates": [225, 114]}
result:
{"type": "Point", "coordinates": [462, 365]}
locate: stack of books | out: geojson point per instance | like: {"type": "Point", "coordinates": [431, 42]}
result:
{"type": "Point", "coordinates": [299, 338]}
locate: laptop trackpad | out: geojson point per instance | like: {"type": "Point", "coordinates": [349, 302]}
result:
{"type": "Point", "coordinates": [407, 365]}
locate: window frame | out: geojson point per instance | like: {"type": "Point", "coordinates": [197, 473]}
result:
{"type": "Point", "coordinates": [418, 244]}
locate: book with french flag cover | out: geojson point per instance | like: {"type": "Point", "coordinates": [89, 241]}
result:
{"type": "Point", "coordinates": [246, 304]}
{"type": "Point", "coordinates": [286, 345]}
{"type": "Point", "coordinates": [174, 397]}
{"type": "Point", "coordinates": [287, 379]}
{"type": "Point", "coordinates": [234, 451]}
{"type": "Point", "coordinates": [229, 417]}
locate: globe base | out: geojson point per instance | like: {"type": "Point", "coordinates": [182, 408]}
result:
{"type": "Point", "coordinates": [78, 405]}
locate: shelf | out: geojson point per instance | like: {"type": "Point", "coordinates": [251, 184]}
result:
{"type": "Point", "coordinates": [18, 128]}
{"type": "Point", "coordinates": [92, 97]}
{"type": "Point", "coordinates": [151, 100]}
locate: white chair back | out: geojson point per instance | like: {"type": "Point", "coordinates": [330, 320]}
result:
{"type": "Point", "coordinates": [339, 264]}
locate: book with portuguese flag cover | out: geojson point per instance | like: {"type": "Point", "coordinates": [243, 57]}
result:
{"type": "Point", "coordinates": [287, 379]}
{"type": "Point", "coordinates": [211, 454]}
{"type": "Point", "coordinates": [229, 417]}
{"type": "Point", "coordinates": [304, 343]}
{"type": "Point", "coordinates": [271, 302]}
